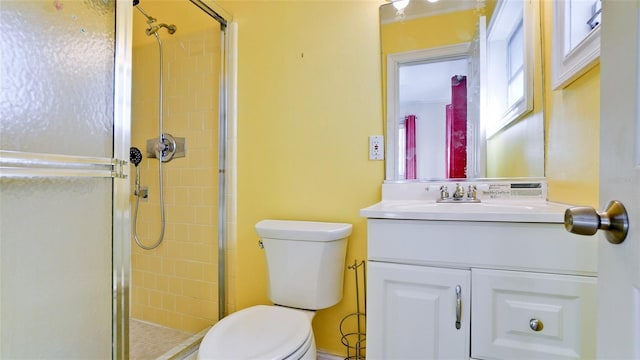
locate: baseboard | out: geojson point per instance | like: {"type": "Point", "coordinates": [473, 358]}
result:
{"type": "Point", "coordinates": [326, 356]}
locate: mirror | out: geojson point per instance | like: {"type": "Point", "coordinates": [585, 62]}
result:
{"type": "Point", "coordinates": [450, 112]}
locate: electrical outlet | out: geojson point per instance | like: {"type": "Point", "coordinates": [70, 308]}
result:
{"type": "Point", "coordinates": [376, 147]}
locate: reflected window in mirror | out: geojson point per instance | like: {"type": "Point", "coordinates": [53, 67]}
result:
{"type": "Point", "coordinates": [510, 66]}
{"type": "Point", "coordinates": [515, 51]}
{"type": "Point", "coordinates": [576, 39]}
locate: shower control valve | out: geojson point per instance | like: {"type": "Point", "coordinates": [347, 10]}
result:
{"type": "Point", "coordinates": [142, 193]}
{"type": "Point", "coordinates": [166, 147]}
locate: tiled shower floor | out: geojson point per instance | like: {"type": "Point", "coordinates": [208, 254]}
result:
{"type": "Point", "coordinates": [149, 341]}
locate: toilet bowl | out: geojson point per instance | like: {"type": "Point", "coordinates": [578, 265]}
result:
{"type": "Point", "coordinates": [305, 266]}
{"type": "Point", "coordinates": [261, 332]}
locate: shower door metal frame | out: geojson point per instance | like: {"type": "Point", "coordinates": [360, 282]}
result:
{"type": "Point", "coordinates": [226, 110]}
{"type": "Point", "coordinates": [121, 248]}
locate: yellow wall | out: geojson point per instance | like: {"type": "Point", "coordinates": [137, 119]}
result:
{"type": "Point", "coordinates": [572, 132]}
{"type": "Point", "coordinates": [176, 284]}
{"type": "Point", "coordinates": [308, 98]}
{"type": "Point", "coordinates": [429, 32]}
{"type": "Point", "coordinates": [518, 151]}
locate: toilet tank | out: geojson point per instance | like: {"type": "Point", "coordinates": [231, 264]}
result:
{"type": "Point", "coordinates": [305, 261]}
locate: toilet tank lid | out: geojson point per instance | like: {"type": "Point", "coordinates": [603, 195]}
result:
{"type": "Point", "coordinates": [302, 230]}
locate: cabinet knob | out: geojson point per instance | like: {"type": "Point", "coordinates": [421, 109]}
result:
{"type": "Point", "coordinates": [535, 325]}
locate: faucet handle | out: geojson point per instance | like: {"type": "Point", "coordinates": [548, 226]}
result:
{"type": "Point", "coordinates": [444, 192]}
{"type": "Point", "coordinates": [472, 192]}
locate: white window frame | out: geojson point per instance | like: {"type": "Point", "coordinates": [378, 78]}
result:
{"type": "Point", "coordinates": [571, 62]}
{"type": "Point", "coordinates": [504, 22]}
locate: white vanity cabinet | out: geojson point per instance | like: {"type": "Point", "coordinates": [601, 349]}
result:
{"type": "Point", "coordinates": [527, 290]}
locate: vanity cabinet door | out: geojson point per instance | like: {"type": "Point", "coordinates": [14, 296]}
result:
{"type": "Point", "coordinates": [414, 312]}
{"type": "Point", "coordinates": [521, 315]}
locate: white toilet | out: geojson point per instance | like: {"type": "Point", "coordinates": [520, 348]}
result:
{"type": "Point", "coordinates": [305, 263]}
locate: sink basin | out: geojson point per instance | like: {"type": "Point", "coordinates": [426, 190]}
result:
{"type": "Point", "coordinates": [500, 211]}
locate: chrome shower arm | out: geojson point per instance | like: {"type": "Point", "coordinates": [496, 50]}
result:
{"type": "Point", "coordinates": [150, 19]}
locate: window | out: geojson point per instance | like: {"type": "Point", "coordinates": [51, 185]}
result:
{"type": "Point", "coordinates": [576, 39]}
{"type": "Point", "coordinates": [510, 61]}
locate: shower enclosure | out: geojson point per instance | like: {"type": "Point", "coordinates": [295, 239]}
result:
{"type": "Point", "coordinates": [178, 89]}
{"type": "Point", "coordinates": [69, 269]}
{"type": "Point", "coordinates": [176, 285]}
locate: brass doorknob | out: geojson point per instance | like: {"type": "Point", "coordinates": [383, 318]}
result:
{"type": "Point", "coordinates": [587, 221]}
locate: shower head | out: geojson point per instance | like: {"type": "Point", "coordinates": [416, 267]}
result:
{"type": "Point", "coordinates": [135, 156]}
{"type": "Point", "coordinates": [171, 28]}
{"type": "Point", "coordinates": [136, 2]}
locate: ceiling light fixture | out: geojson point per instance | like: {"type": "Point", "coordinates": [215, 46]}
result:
{"type": "Point", "coordinates": [400, 4]}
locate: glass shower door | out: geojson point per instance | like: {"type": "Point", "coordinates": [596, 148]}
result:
{"type": "Point", "coordinates": [63, 196]}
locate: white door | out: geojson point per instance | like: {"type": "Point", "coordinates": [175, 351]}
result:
{"type": "Point", "coordinates": [619, 265]}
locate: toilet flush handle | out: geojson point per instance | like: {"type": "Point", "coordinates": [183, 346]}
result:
{"type": "Point", "coordinates": [260, 244]}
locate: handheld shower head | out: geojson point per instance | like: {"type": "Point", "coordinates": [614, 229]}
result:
{"type": "Point", "coordinates": [135, 156]}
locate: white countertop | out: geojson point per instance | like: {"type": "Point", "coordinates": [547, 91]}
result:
{"type": "Point", "coordinates": [495, 211]}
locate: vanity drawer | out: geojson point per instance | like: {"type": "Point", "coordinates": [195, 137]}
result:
{"type": "Point", "coordinates": [538, 247]}
{"type": "Point", "coordinates": [505, 303]}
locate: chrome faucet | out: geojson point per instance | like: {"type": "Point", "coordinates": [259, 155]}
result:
{"type": "Point", "coordinates": [444, 192]}
{"type": "Point", "coordinates": [459, 193]}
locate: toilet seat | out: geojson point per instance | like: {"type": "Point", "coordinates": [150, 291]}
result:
{"type": "Point", "coordinates": [259, 332]}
